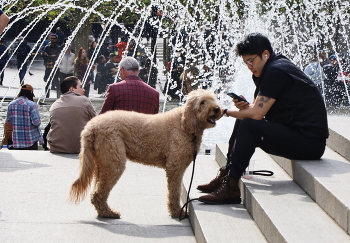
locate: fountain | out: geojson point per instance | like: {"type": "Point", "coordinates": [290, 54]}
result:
{"type": "Point", "coordinates": [202, 33]}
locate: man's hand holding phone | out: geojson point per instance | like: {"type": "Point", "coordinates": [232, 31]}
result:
{"type": "Point", "coordinates": [238, 103]}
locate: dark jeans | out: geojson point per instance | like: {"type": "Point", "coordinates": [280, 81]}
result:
{"type": "Point", "coordinates": [273, 138]}
{"type": "Point", "coordinates": [22, 71]}
{"type": "Point", "coordinates": [54, 82]}
{"type": "Point", "coordinates": [87, 88]}
{"type": "Point", "coordinates": [2, 66]}
{"type": "Point", "coordinates": [33, 147]}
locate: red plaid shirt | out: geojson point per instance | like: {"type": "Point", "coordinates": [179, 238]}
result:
{"type": "Point", "coordinates": [131, 94]}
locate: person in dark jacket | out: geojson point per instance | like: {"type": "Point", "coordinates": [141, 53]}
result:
{"type": "Point", "coordinates": [101, 75]}
{"type": "Point", "coordinates": [3, 60]}
{"type": "Point", "coordinates": [50, 55]}
{"type": "Point", "coordinates": [149, 75]}
{"type": "Point", "coordinates": [334, 90]}
{"type": "Point", "coordinates": [22, 61]}
{"type": "Point", "coordinates": [288, 118]}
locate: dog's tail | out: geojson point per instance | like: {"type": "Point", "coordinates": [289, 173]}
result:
{"type": "Point", "coordinates": [87, 166]}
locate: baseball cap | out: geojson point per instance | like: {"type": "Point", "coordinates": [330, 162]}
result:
{"type": "Point", "coordinates": [27, 87]}
{"type": "Point", "coordinates": [332, 57]}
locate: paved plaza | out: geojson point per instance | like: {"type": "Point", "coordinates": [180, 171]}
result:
{"type": "Point", "coordinates": [35, 187]}
{"type": "Point", "coordinates": [33, 203]}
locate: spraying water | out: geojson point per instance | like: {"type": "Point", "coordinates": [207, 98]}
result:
{"type": "Point", "coordinates": [200, 33]}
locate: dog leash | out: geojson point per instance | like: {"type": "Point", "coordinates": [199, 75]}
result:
{"type": "Point", "coordinates": [262, 172]}
{"type": "Point", "coordinates": [189, 188]}
{"type": "Point", "coordinates": [185, 206]}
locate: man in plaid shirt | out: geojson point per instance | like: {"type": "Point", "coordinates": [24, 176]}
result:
{"type": "Point", "coordinates": [131, 94]}
{"type": "Point", "coordinates": [23, 115]}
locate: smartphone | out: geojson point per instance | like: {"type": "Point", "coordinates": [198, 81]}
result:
{"type": "Point", "coordinates": [237, 97]}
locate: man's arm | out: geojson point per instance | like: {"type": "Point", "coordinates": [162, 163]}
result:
{"type": "Point", "coordinates": [113, 71]}
{"type": "Point", "coordinates": [4, 20]}
{"type": "Point", "coordinates": [256, 111]}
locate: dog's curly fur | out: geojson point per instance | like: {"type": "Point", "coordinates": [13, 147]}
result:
{"type": "Point", "coordinates": [162, 140]}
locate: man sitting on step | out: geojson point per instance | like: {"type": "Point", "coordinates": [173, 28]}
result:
{"type": "Point", "coordinates": [68, 117]}
{"type": "Point", "coordinates": [288, 118]}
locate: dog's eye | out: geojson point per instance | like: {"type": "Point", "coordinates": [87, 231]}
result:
{"type": "Point", "coordinates": [203, 102]}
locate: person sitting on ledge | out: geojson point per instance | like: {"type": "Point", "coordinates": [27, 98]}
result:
{"type": "Point", "coordinates": [288, 118]}
{"type": "Point", "coordinates": [23, 115]}
{"type": "Point", "coordinates": [131, 94]}
{"type": "Point", "coordinates": [68, 116]}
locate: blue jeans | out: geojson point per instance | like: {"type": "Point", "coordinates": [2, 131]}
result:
{"type": "Point", "coordinates": [22, 71]}
{"type": "Point", "coordinates": [2, 65]}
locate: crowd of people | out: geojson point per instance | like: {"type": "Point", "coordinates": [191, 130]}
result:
{"type": "Point", "coordinates": [101, 62]}
{"type": "Point", "coordinates": [70, 113]}
{"type": "Point", "coordinates": [331, 77]}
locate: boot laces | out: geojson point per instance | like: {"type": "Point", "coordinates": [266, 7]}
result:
{"type": "Point", "coordinates": [222, 185]}
{"type": "Point", "coordinates": [217, 177]}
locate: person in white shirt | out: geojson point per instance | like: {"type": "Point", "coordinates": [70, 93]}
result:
{"type": "Point", "coordinates": [315, 72]}
{"type": "Point", "coordinates": [66, 66]}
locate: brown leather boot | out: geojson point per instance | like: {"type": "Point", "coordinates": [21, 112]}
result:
{"type": "Point", "coordinates": [227, 193]}
{"type": "Point", "coordinates": [215, 183]}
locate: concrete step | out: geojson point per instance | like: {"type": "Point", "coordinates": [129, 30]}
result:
{"type": "Point", "coordinates": [339, 135]}
{"type": "Point", "coordinates": [326, 181]}
{"type": "Point", "coordinates": [221, 223]}
{"type": "Point", "coordinates": [283, 211]}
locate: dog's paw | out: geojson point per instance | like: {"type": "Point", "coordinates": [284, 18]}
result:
{"type": "Point", "coordinates": [109, 214]}
{"type": "Point", "coordinates": [179, 214]}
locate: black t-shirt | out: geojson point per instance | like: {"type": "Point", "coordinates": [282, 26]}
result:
{"type": "Point", "coordinates": [279, 83]}
{"type": "Point", "coordinates": [109, 66]}
{"type": "Point", "coordinates": [298, 101]}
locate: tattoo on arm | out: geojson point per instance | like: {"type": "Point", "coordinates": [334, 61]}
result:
{"type": "Point", "coordinates": [263, 100]}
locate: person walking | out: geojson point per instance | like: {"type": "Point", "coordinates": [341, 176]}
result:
{"type": "Point", "coordinates": [22, 64]}
{"type": "Point", "coordinates": [121, 46]}
{"type": "Point", "coordinates": [80, 65]}
{"type": "Point", "coordinates": [3, 60]}
{"type": "Point", "coordinates": [100, 81]}
{"type": "Point", "coordinates": [66, 67]}
{"type": "Point", "coordinates": [50, 55]}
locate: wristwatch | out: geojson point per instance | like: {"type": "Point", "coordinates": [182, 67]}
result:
{"type": "Point", "coordinates": [225, 112]}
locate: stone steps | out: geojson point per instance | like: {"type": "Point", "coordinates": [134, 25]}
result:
{"type": "Point", "coordinates": [304, 201]}
{"type": "Point", "coordinates": [220, 223]}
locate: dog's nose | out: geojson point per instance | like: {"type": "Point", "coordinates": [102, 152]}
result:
{"type": "Point", "coordinates": [216, 110]}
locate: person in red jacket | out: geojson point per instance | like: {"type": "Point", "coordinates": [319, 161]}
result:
{"type": "Point", "coordinates": [121, 47]}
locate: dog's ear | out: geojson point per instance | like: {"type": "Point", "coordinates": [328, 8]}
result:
{"type": "Point", "coordinates": [189, 116]}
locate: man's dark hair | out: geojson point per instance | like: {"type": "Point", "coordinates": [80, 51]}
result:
{"type": "Point", "coordinates": [111, 55]}
{"type": "Point", "coordinates": [68, 82]}
{"type": "Point", "coordinates": [54, 35]}
{"type": "Point", "coordinates": [100, 58]}
{"type": "Point", "coordinates": [254, 43]}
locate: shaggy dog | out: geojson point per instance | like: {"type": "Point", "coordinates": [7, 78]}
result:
{"type": "Point", "coordinates": [166, 140]}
